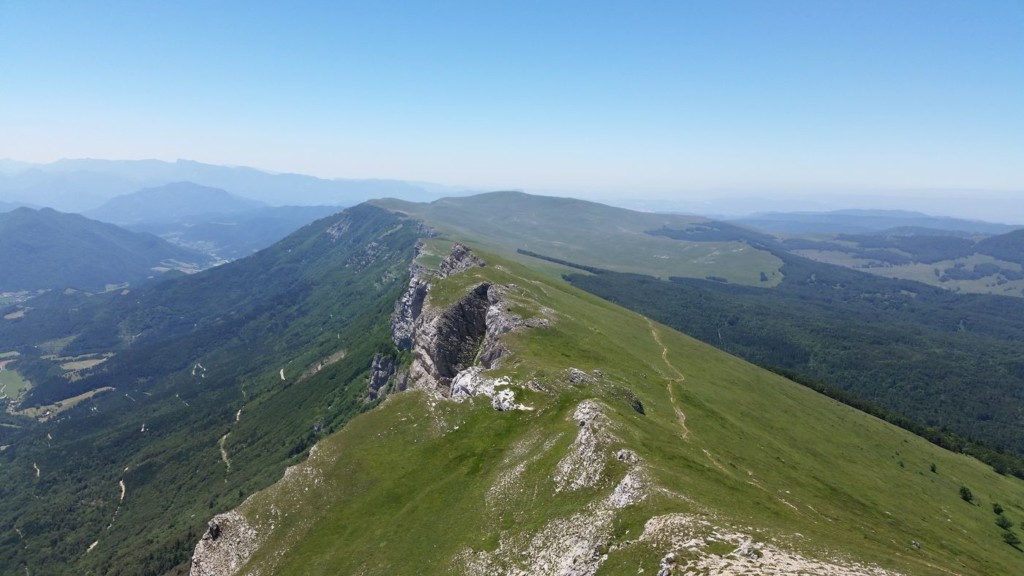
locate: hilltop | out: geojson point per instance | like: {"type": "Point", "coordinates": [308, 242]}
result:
{"type": "Point", "coordinates": [169, 203]}
{"type": "Point", "coordinates": [46, 249]}
{"type": "Point", "coordinates": [207, 219]}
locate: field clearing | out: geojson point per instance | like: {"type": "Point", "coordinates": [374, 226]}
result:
{"type": "Point", "coordinates": [83, 363]}
{"type": "Point", "coordinates": [12, 384]}
{"type": "Point", "coordinates": [55, 347]}
{"type": "Point", "coordinates": [925, 273]}
{"type": "Point", "coordinates": [19, 313]}
{"type": "Point", "coordinates": [44, 413]}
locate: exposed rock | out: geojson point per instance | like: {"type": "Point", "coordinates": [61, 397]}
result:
{"type": "Point", "coordinates": [446, 342]}
{"type": "Point", "coordinates": [667, 563]}
{"type": "Point", "coordinates": [471, 382]}
{"type": "Point", "coordinates": [460, 258]}
{"type": "Point", "coordinates": [627, 456]}
{"type": "Point", "coordinates": [631, 490]}
{"type": "Point", "coordinates": [505, 400]}
{"type": "Point", "coordinates": [227, 545]}
{"type": "Point", "coordinates": [576, 545]}
{"type": "Point", "coordinates": [381, 370]}
{"type": "Point", "coordinates": [564, 547]}
{"type": "Point", "coordinates": [681, 532]}
{"type": "Point", "coordinates": [339, 228]}
{"type": "Point", "coordinates": [577, 376]}
{"type": "Point", "coordinates": [407, 310]}
{"type": "Point", "coordinates": [584, 464]}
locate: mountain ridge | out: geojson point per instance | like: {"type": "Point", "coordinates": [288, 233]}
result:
{"type": "Point", "coordinates": [83, 184]}
{"type": "Point", "coordinates": [170, 202]}
{"type": "Point", "coordinates": [45, 249]}
{"type": "Point", "coordinates": [591, 499]}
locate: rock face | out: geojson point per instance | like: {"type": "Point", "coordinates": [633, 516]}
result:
{"type": "Point", "coordinates": [381, 370]}
{"type": "Point", "coordinates": [228, 543]}
{"type": "Point", "coordinates": [446, 341]}
{"type": "Point", "coordinates": [450, 346]}
{"type": "Point", "coordinates": [461, 258]}
{"type": "Point", "coordinates": [407, 309]}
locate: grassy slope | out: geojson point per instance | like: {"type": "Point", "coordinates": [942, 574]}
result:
{"type": "Point", "coordinates": [595, 235]}
{"type": "Point", "coordinates": [404, 489]}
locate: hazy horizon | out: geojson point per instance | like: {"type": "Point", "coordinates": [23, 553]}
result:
{"type": "Point", "coordinates": [996, 206]}
{"type": "Point", "coordinates": [691, 103]}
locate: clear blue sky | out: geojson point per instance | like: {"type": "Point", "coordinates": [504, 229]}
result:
{"type": "Point", "coordinates": [607, 97]}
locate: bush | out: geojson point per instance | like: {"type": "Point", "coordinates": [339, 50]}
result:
{"type": "Point", "coordinates": [1011, 539]}
{"type": "Point", "coordinates": [1004, 522]}
{"type": "Point", "coordinates": [997, 508]}
{"type": "Point", "coordinates": [966, 495]}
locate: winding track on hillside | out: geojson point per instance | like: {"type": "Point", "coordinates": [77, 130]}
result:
{"type": "Point", "coordinates": [679, 378]}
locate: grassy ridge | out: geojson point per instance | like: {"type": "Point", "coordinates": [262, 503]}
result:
{"type": "Point", "coordinates": [409, 487]}
{"type": "Point", "coordinates": [591, 234]}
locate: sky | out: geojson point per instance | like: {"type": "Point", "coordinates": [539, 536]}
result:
{"type": "Point", "coordinates": [681, 100]}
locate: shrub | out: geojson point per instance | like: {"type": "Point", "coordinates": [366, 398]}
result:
{"type": "Point", "coordinates": [1004, 522]}
{"type": "Point", "coordinates": [966, 494]}
{"type": "Point", "coordinates": [1011, 538]}
{"type": "Point", "coordinates": [997, 508]}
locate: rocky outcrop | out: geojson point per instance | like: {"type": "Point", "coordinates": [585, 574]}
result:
{"type": "Point", "coordinates": [451, 345]}
{"type": "Point", "coordinates": [583, 465]}
{"type": "Point", "coordinates": [228, 544]}
{"type": "Point", "coordinates": [470, 382]}
{"type": "Point", "coordinates": [407, 309]}
{"type": "Point", "coordinates": [381, 370]}
{"type": "Point", "coordinates": [575, 545]}
{"type": "Point", "coordinates": [447, 341]}
{"type": "Point", "coordinates": [459, 259]}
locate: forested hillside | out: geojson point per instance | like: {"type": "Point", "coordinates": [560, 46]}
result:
{"type": "Point", "coordinates": [946, 360]}
{"type": "Point", "coordinates": [46, 249]}
{"type": "Point", "coordinates": [206, 387]}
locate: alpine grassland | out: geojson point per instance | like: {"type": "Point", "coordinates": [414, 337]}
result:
{"type": "Point", "coordinates": [693, 452]}
{"type": "Point", "coordinates": [592, 234]}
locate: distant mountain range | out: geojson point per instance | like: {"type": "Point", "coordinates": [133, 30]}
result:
{"type": "Point", "coordinates": [85, 184]}
{"type": "Point", "coordinates": [234, 235]}
{"type": "Point", "coordinates": [866, 221]}
{"type": "Point", "coordinates": [46, 249]}
{"type": "Point", "coordinates": [207, 219]}
{"type": "Point", "coordinates": [170, 203]}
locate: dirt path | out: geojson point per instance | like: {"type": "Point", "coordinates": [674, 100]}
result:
{"type": "Point", "coordinates": [679, 378]}
{"type": "Point", "coordinates": [224, 452]}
